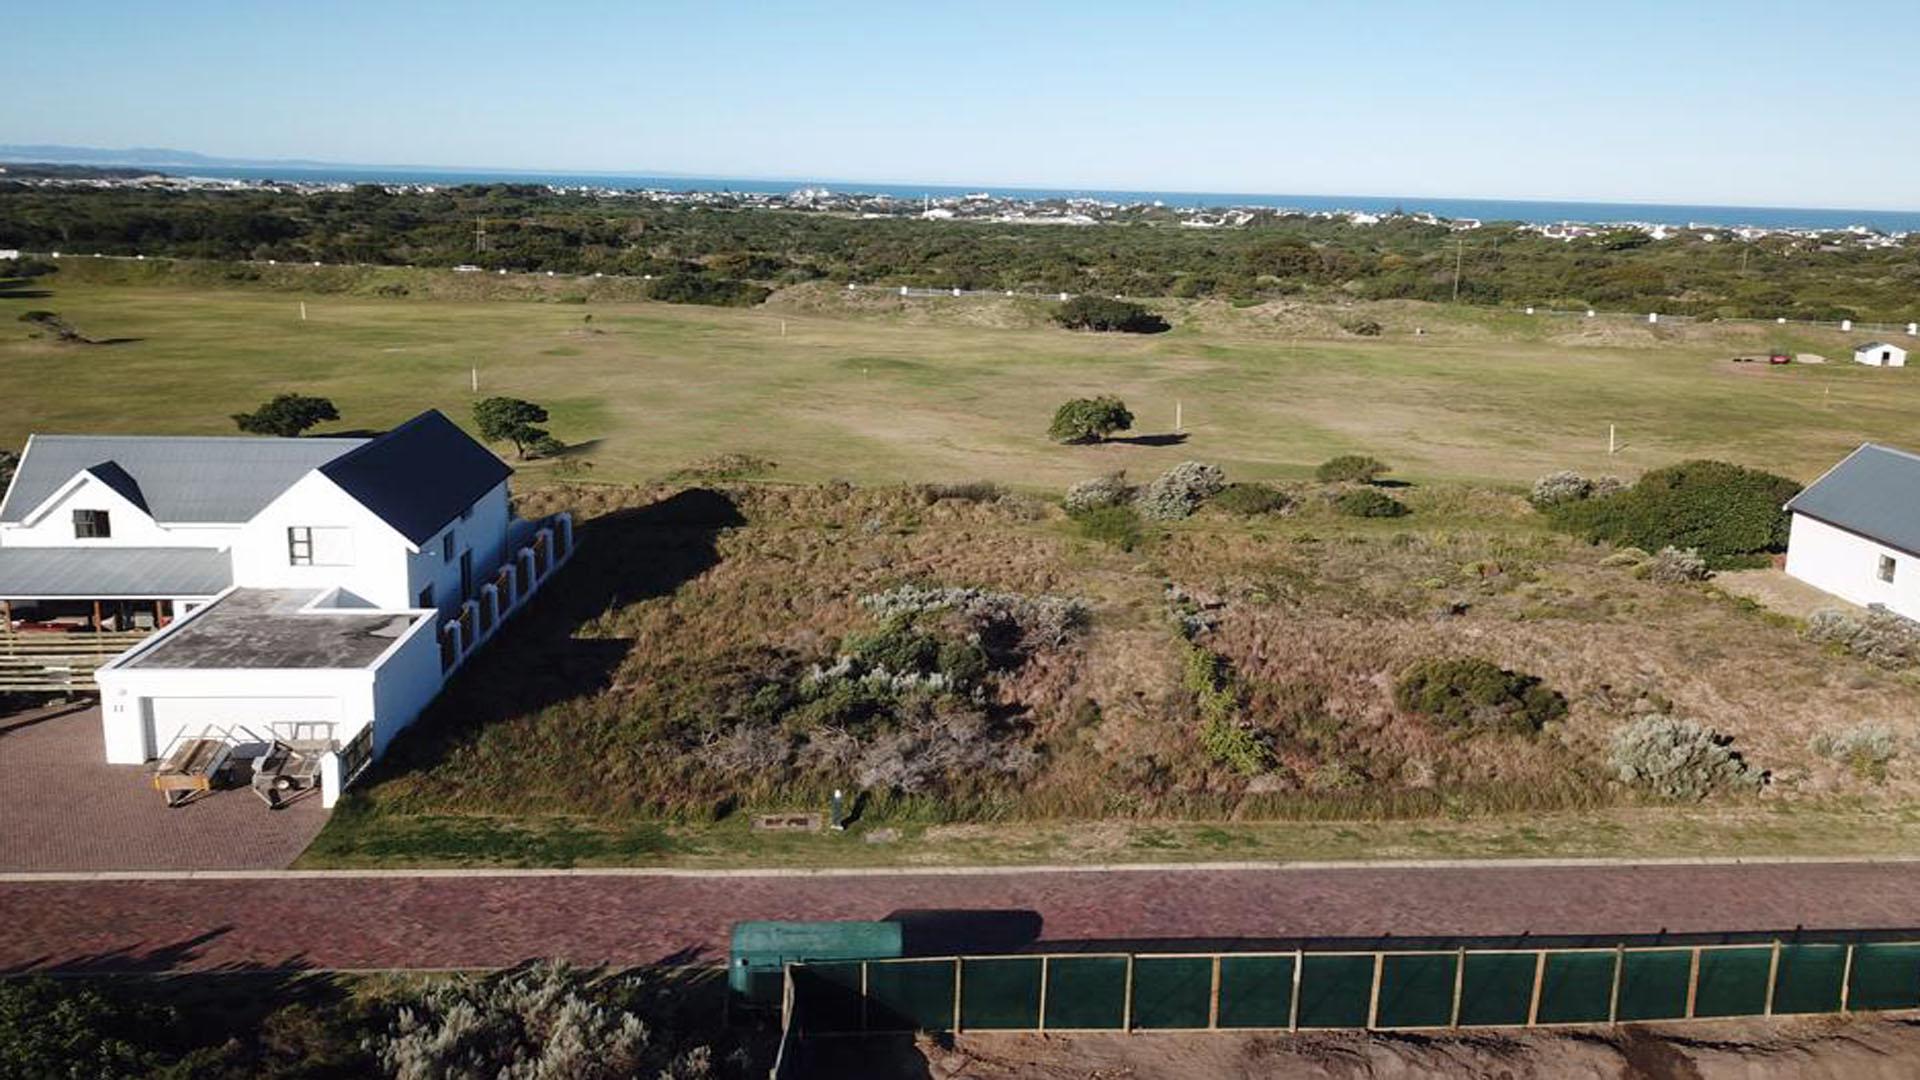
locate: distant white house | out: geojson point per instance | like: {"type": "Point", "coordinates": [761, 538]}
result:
{"type": "Point", "coordinates": [1856, 530]}
{"type": "Point", "coordinates": [1880, 354]}
{"type": "Point", "coordinates": [313, 588]}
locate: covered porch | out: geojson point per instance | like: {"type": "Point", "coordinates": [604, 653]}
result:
{"type": "Point", "coordinates": [65, 611]}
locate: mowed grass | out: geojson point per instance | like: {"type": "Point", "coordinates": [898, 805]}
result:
{"type": "Point", "coordinates": [644, 388]}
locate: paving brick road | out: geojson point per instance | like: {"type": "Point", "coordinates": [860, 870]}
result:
{"type": "Point", "coordinates": [355, 922]}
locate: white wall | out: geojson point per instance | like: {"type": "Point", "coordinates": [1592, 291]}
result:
{"type": "Point", "coordinates": [141, 708]}
{"type": "Point", "coordinates": [484, 532]}
{"type": "Point", "coordinates": [407, 679]}
{"type": "Point", "coordinates": [1884, 356]}
{"type": "Point", "coordinates": [130, 525]}
{"type": "Point", "coordinates": [375, 570]}
{"type": "Point", "coordinates": [1847, 565]}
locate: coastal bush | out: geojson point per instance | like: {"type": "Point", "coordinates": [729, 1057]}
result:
{"type": "Point", "coordinates": [684, 287]}
{"type": "Point", "coordinates": [1179, 491]}
{"type": "Point", "coordinates": [1470, 694]}
{"type": "Point", "coordinates": [1362, 327]}
{"type": "Point", "coordinates": [1560, 487]}
{"type": "Point", "coordinates": [1225, 737]}
{"type": "Point", "coordinates": [1672, 566]}
{"type": "Point", "coordinates": [286, 416]}
{"type": "Point", "coordinates": [1350, 468]}
{"type": "Point", "coordinates": [1875, 635]}
{"type": "Point", "coordinates": [1086, 420]}
{"type": "Point", "coordinates": [52, 1030]}
{"type": "Point", "coordinates": [1098, 493]}
{"type": "Point", "coordinates": [1370, 503]}
{"type": "Point", "coordinates": [1116, 525]}
{"type": "Point", "coordinates": [1727, 513]}
{"type": "Point", "coordinates": [1678, 759]}
{"type": "Point", "coordinates": [1106, 314]}
{"type": "Point", "coordinates": [1865, 748]}
{"type": "Point", "coordinates": [1251, 500]}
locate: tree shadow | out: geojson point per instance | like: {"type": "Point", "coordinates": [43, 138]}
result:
{"type": "Point", "coordinates": [1170, 438]}
{"type": "Point", "coordinates": [18, 288]}
{"type": "Point", "coordinates": [566, 644]}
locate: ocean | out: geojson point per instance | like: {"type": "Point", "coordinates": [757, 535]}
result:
{"type": "Point", "coordinates": [1536, 212]}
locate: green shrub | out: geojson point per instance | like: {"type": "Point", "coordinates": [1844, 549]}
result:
{"type": "Point", "coordinates": [1103, 313]}
{"type": "Point", "coordinates": [1179, 491]}
{"type": "Point", "coordinates": [1370, 503]}
{"type": "Point", "coordinates": [1678, 759]}
{"type": "Point", "coordinates": [1362, 327]}
{"type": "Point", "coordinates": [1475, 695]}
{"type": "Point", "coordinates": [1095, 494]}
{"type": "Point", "coordinates": [48, 1029]}
{"type": "Point", "coordinates": [1251, 500]}
{"type": "Point", "coordinates": [1358, 468]}
{"type": "Point", "coordinates": [1866, 748]}
{"type": "Point", "coordinates": [1671, 566]}
{"type": "Point", "coordinates": [1085, 420]}
{"type": "Point", "coordinates": [1722, 511]}
{"type": "Point", "coordinates": [1116, 525]}
{"type": "Point", "coordinates": [683, 287]}
{"type": "Point", "coordinates": [973, 491]}
{"type": "Point", "coordinates": [1225, 738]}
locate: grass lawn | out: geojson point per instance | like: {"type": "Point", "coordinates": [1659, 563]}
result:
{"type": "Point", "coordinates": [926, 392]}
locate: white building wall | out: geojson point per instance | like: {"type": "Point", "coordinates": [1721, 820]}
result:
{"type": "Point", "coordinates": [405, 682]}
{"type": "Point", "coordinates": [483, 532]}
{"type": "Point", "coordinates": [373, 566]}
{"type": "Point", "coordinates": [1884, 356]}
{"type": "Point", "coordinates": [142, 709]}
{"type": "Point", "coordinates": [1848, 566]}
{"type": "Point", "coordinates": [130, 525]}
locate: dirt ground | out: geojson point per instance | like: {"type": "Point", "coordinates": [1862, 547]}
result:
{"type": "Point", "coordinates": [1839, 1049]}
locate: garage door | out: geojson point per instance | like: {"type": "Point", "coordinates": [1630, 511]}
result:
{"type": "Point", "coordinates": [169, 717]}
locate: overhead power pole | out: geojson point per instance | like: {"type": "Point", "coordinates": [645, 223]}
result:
{"type": "Point", "coordinates": [1459, 253]}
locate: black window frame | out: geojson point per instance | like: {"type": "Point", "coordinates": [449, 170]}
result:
{"type": "Point", "coordinates": [1888, 567]}
{"type": "Point", "coordinates": [299, 545]}
{"type": "Point", "coordinates": [426, 598]}
{"type": "Point", "coordinates": [446, 547]}
{"type": "Point", "coordinates": [92, 525]}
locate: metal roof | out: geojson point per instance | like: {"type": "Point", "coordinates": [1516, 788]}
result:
{"type": "Point", "coordinates": [178, 480]}
{"type": "Point", "coordinates": [112, 572]}
{"type": "Point", "coordinates": [1871, 345]}
{"type": "Point", "coordinates": [1874, 492]}
{"type": "Point", "coordinates": [419, 476]}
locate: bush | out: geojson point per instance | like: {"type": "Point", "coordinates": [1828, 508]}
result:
{"type": "Point", "coordinates": [52, 1030]}
{"type": "Point", "coordinates": [682, 287]}
{"type": "Point", "coordinates": [1671, 566]}
{"type": "Point", "coordinates": [1878, 635]}
{"type": "Point", "coordinates": [1678, 759]}
{"type": "Point", "coordinates": [1116, 525]}
{"type": "Point", "coordinates": [1560, 487]}
{"type": "Point", "coordinates": [1475, 695]}
{"type": "Point", "coordinates": [1226, 739]}
{"type": "Point", "coordinates": [1099, 493]}
{"type": "Point", "coordinates": [1085, 420]}
{"type": "Point", "coordinates": [1362, 327]}
{"type": "Point", "coordinates": [973, 491]}
{"type": "Point", "coordinates": [1179, 491]}
{"type": "Point", "coordinates": [1101, 313]}
{"type": "Point", "coordinates": [1724, 512]}
{"type": "Point", "coordinates": [1350, 468]}
{"type": "Point", "coordinates": [541, 1023]}
{"type": "Point", "coordinates": [1865, 748]}
{"type": "Point", "coordinates": [1251, 500]}
{"type": "Point", "coordinates": [1370, 503]}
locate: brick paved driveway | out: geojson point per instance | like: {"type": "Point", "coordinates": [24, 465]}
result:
{"type": "Point", "coordinates": [345, 922]}
{"type": "Point", "coordinates": [62, 807]}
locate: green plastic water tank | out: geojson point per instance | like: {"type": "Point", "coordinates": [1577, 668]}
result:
{"type": "Point", "coordinates": [760, 950]}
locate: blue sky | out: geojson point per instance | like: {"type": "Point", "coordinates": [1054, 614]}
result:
{"type": "Point", "coordinates": [1744, 103]}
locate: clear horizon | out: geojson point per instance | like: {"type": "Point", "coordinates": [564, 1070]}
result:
{"type": "Point", "coordinates": [1387, 100]}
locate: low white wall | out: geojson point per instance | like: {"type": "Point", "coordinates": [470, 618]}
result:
{"type": "Point", "coordinates": [1848, 566]}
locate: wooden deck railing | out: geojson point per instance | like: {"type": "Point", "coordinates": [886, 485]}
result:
{"type": "Point", "coordinates": [33, 661]}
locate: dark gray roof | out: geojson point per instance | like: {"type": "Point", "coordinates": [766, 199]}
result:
{"type": "Point", "coordinates": [1874, 492]}
{"type": "Point", "coordinates": [1874, 345]}
{"type": "Point", "coordinates": [176, 479]}
{"type": "Point", "coordinates": [265, 628]}
{"type": "Point", "coordinates": [112, 572]}
{"type": "Point", "coordinates": [420, 475]}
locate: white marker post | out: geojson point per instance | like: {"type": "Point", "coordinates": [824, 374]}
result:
{"type": "Point", "coordinates": [475, 372]}
{"type": "Point", "coordinates": [1179, 424]}
{"type": "Point", "coordinates": [1612, 444]}
{"type": "Point", "coordinates": [303, 311]}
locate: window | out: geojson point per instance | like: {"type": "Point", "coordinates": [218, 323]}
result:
{"type": "Point", "coordinates": [426, 597]}
{"type": "Point", "coordinates": [299, 545]}
{"type": "Point", "coordinates": [1886, 568]}
{"type": "Point", "coordinates": [446, 546]}
{"type": "Point", "coordinates": [91, 525]}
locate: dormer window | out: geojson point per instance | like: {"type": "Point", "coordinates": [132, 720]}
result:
{"type": "Point", "coordinates": [91, 525]}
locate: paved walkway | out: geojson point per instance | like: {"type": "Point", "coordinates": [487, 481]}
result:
{"type": "Point", "coordinates": [358, 922]}
{"type": "Point", "coordinates": [62, 807]}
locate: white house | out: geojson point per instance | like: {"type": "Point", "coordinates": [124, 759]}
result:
{"type": "Point", "coordinates": [1856, 530]}
{"type": "Point", "coordinates": [313, 588]}
{"type": "Point", "coordinates": [1880, 354]}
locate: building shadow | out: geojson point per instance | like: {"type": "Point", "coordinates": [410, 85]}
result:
{"type": "Point", "coordinates": [560, 647]}
{"type": "Point", "coordinates": [962, 932]}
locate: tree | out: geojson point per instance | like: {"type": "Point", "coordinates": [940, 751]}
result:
{"type": "Point", "coordinates": [1351, 468]}
{"type": "Point", "coordinates": [1085, 420]}
{"type": "Point", "coordinates": [287, 416]}
{"type": "Point", "coordinates": [1101, 313]}
{"type": "Point", "coordinates": [505, 419]}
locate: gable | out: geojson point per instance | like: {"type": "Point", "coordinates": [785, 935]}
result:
{"type": "Point", "coordinates": [1874, 492]}
{"type": "Point", "coordinates": [187, 480]}
{"type": "Point", "coordinates": [419, 476]}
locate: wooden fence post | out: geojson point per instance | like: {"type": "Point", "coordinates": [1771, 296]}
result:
{"type": "Point", "coordinates": [1373, 1001]}
{"type": "Point", "coordinates": [1126, 1001]}
{"type": "Point", "coordinates": [1539, 978]}
{"type": "Point", "coordinates": [1846, 980]}
{"type": "Point", "coordinates": [1693, 982]}
{"type": "Point", "coordinates": [1213, 997]}
{"type": "Point", "coordinates": [1293, 1003]}
{"type": "Point", "coordinates": [1046, 962]}
{"type": "Point", "coordinates": [1613, 999]}
{"type": "Point", "coordinates": [1773, 975]}
{"type": "Point", "coordinates": [959, 986]}
{"type": "Point", "coordinates": [1459, 984]}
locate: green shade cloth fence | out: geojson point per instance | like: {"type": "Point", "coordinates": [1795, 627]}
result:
{"type": "Point", "coordinates": [1389, 990]}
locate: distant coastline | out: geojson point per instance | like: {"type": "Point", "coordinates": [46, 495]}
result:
{"type": "Point", "coordinates": [1535, 212]}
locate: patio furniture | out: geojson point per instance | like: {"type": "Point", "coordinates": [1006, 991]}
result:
{"type": "Point", "coordinates": [287, 770]}
{"type": "Point", "coordinates": [190, 769]}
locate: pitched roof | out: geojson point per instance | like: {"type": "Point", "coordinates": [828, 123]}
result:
{"type": "Point", "coordinates": [112, 572]}
{"type": "Point", "coordinates": [419, 476]}
{"type": "Point", "coordinates": [1874, 492]}
{"type": "Point", "coordinates": [1871, 345]}
{"type": "Point", "coordinates": [219, 480]}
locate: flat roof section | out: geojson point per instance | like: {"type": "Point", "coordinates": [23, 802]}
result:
{"type": "Point", "coordinates": [265, 628]}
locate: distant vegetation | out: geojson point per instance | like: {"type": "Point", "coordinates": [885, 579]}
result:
{"type": "Point", "coordinates": [704, 255]}
{"type": "Point", "coordinates": [1101, 313]}
{"type": "Point", "coordinates": [1086, 420]}
{"type": "Point", "coordinates": [1727, 514]}
{"type": "Point", "coordinates": [287, 416]}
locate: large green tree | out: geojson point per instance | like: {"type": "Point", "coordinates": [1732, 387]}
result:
{"type": "Point", "coordinates": [287, 415]}
{"type": "Point", "coordinates": [1085, 420]}
{"type": "Point", "coordinates": [505, 419]}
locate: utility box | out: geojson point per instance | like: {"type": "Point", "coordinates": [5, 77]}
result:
{"type": "Point", "coordinates": [761, 951]}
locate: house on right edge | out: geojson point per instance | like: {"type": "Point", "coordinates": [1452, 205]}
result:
{"type": "Point", "coordinates": [1856, 530]}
